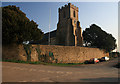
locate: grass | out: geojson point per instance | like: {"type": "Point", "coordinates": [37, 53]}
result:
{"type": "Point", "coordinates": [18, 61]}
{"type": "Point", "coordinates": [64, 64]}
{"type": "Point", "coordinates": [54, 64]}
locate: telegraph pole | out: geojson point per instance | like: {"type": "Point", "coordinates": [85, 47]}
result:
{"type": "Point", "coordinates": [49, 27]}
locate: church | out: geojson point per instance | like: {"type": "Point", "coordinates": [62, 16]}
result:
{"type": "Point", "coordinates": [69, 32]}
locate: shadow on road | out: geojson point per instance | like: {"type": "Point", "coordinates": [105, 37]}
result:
{"type": "Point", "coordinates": [60, 83]}
{"type": "Point", "coordinates": [101, 79]}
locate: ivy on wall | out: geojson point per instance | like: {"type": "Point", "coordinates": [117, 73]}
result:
{"type": "Point", "coordinates": [39, 53]}
{"type": "Point", "coordinates": [27, 49]}
{"type": "Point", "coordinates": [51, 55]}
{"type": "Point", "coordinates": [42, 58]}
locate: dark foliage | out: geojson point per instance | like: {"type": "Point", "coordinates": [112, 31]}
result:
{"type": "Point", "coordinates": [96, 37]}
{"type": "Point", "coordinates": [17, 28]}
{"type": "Point", "coordinates": [114, 54]}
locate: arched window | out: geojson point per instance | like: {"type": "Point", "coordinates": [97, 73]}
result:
{"type": "Point", "coordinates": [64, 14]}
{"type": "Point", "coordinates": [74, 13]}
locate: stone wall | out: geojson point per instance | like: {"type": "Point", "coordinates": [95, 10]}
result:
{"type": "Point", "coordinates": [61, 54]}
{"type": "Point", "coordinates": [9, 52]}
{"type": "Point", "coordinates": [72, 54]}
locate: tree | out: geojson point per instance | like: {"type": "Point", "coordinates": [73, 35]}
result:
{"type": "Point", "coordinates": [17, 28]}
{"type": "Point", "coordinates": [96, 37]}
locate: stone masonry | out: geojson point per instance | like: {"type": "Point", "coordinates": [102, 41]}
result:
{"type": "Point", "coordinates": [69, 32]}
{"type": "Point", "coordinates": [63, 54]}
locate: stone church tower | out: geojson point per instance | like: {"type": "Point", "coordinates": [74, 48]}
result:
{"type": "Point", "coordinates": [69, 32]}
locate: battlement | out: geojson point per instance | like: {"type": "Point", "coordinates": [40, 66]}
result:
{"type": "Point", "coordinates": [69, 5]}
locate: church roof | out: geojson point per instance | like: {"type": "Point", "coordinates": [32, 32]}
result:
{"type": "Point", "coordinates": [52, 34]}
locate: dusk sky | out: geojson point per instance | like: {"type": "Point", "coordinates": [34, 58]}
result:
{"type": "Point", "coordinates": [103, 14]}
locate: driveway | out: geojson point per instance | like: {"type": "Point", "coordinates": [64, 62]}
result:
{"type": "Point", "coordinates": [101, 72]}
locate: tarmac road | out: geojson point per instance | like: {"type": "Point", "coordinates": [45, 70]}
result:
{"type": "Point", "coordinates": [101, 72]}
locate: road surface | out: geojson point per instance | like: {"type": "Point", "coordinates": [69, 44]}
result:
{"type": "Point", "coordinates": [101, 72]}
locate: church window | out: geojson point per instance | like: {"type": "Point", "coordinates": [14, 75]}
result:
{"type": "Point", "coordinates": [64, 14]}
{"type": "Point", "coordinates": [74, 13]}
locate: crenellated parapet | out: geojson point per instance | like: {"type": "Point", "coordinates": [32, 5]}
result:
{"type": "Point", "coordinates": [68, 5]}
{"type": "Point", "coordinates": [72, 6]}
{"type": "Point", "coordinates": [63, 7]}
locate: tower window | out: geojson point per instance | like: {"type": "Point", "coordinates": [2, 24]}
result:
{"type": "Point", "coordinates": [74, 13]}
{"type": "Point", "coordinates": [64, 14]}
